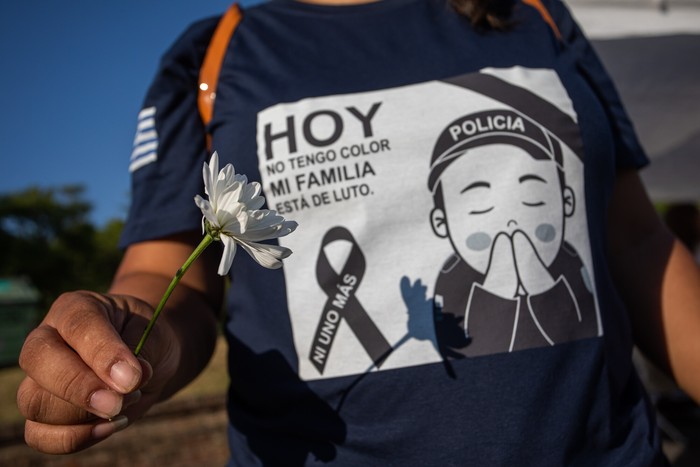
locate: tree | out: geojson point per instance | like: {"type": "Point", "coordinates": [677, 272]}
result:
{"type": "Point", "coordinates": [46, 235]}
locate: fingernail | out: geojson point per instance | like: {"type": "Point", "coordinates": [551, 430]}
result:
{"type": "Point", "coordinates": [106, 402]}
{"type": "Point", "coordinates": [124, 375]}
{"type": "Point", "coordinates": [108, 428]}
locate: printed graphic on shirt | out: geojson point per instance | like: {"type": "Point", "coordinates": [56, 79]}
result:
{"type": "Point", "coordinates": [437, 221]}
{"type": "Point", "coordinates": [145, 148]}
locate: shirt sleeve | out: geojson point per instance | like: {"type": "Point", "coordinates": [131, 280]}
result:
{"type": "Point", "coordinates": [629, 151]}
{"type": "Point", "coordinates": [170, 144]}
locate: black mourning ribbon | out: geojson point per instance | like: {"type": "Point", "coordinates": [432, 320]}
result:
{"type": "Point", "coordinates": [342, 304]}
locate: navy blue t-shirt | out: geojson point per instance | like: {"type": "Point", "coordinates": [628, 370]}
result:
{"type": "Point", "coordinates": [448, 301]}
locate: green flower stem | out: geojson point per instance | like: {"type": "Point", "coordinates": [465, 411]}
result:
{"type": "Point", "coordinates": [206, 241]}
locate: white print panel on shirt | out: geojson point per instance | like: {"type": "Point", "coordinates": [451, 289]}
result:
{"type": "Point", "coordinates": [438, 220]}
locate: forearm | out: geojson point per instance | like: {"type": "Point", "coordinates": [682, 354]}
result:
{"type": "Point", "coordinates": [665, 310]}
{"type": "Point", "coordinates": [659, 283]}
{"type": "Point", "coordinates": [680, 308]}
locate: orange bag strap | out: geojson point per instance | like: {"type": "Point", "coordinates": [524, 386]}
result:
{"type": "Point", "coordinates": [213, 59]}
{"type": "Point", "coordinates": [537, 5]}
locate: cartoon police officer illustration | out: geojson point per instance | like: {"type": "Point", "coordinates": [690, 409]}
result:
{"type": "Point", "coordinates": [501, 199]}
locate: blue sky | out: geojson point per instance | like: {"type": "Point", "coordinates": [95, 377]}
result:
{"type": "Point", "coordinates": [73, 77]}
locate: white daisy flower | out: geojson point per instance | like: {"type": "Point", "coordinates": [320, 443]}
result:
{"type": "Point", "coordinates": [232, 214]}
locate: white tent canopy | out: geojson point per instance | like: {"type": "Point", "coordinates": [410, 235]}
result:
{"type": "Point", "coordinates": [651, 49]}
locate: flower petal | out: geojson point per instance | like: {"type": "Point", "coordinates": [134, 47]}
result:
{"type": "Point", "coordinates": [227, 256]}
{"type": "Point", "coordinates": [268, 256]}
{"type": "Point", "coordinates": [207, 210]}
{"type": "Point", "coordinates": [265, 225]}
{"type": "Point", "coordinates": [209, 174]}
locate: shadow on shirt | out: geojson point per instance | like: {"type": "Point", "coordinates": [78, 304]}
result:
{"type": "Point", "coordinates": [276, 415]}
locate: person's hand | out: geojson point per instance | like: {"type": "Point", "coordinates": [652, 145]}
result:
{"type": "Point", "coordinates": [83, 382]}
{"type": "Point", "coordinates": [532, 273]}
{"type": "Point", "coordinates": [501, 275]}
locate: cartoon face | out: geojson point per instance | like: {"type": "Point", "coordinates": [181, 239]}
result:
{"type": "Point", "coordinates": [497, 189]}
